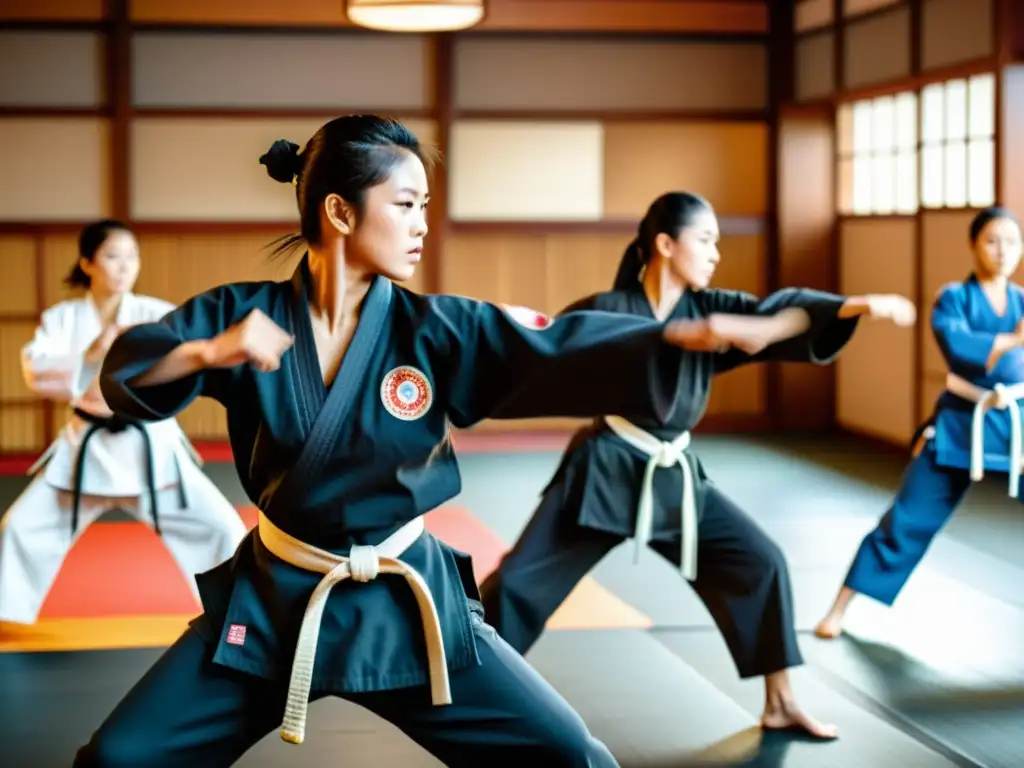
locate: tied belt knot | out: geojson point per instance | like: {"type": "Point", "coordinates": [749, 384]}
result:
{"type": "Point", "coordinates": [363, 564]}
{"type": "Point", "coordinates": [1001, 397]}
{"type": "Point", "coordinates": [662, 454]}
{"type": "Point", "coordinates": [114, 424]}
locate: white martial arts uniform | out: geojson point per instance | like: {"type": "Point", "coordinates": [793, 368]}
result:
{"type": "Point", "coordinates": [199, 526]}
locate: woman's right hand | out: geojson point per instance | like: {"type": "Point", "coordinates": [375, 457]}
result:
{"type": "Point", "coordinates": [257, 340]}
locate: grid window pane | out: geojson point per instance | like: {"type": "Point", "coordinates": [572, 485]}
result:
{"type": "Point", "coordinates": [982, 106]}
{"type": "Point", "coordinates": [861, 185]}
{"type": "Point", "coordinates": [956, 109]}
{"type": "Point", "coordinates": [932, 192]}
{"type": "Point", "coordinates": [844, 129]}
{"type": "Point", "coordinates": [906, 121]}
{"type": "Point", "coordinates": [981, 173]}
{"type": "Point", "coordinates": [906, 182]}
{"type": "Point", "coordinates": [955, 178]}
{"type": "Point", "coordinates": [883, 124]}
{"type": "Point", "coordinates": [844, 193]}
{"type": "Point", "coordinates": [933, 112]}
{"type": "Point", "coordinates": [862, 117]}
{"type": "Point", "coordinates": [883, 184]}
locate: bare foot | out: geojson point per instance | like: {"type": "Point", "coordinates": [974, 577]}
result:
{"type": "Point", "coordinates": [787, 716]}
{"type": "Point", "coordinates": [830, 627]}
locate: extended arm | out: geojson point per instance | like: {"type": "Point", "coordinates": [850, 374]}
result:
{"type": "Point", "coordinates": [791, 325]}
{"type": "Point", "coordinates": [501, 364]}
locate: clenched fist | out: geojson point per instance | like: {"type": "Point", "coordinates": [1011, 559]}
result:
{"type": "Point", "coordinates": [893, 307]}
{"type": "Point", "coordinates": [257, 340]}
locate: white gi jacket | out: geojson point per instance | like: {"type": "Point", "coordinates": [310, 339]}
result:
{"type": "Point", "coordinates": [54, 368]}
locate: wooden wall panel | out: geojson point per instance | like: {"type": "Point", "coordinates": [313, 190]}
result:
{"type": "Point", "coordinates": [21, 430]}
{"type": "Point", "coordinates": [955, 31]}
{"type": "Point", "coordinates": [54, 168]}
{"type": "Point", "coordinates": [741, 16]}
{"type": "Point", "coordinates": [207, 169]}
{"type": "Point", "coordinates": [545, 272]}
{"type": "Point", "coordinates": [813, 14]}
{"type": "Point", "coordinates": [877, 49]}
{"type": "Point", "coordinates": [51, 69]}
{"type": "Point", "coordinates": [525, 171]}
{"type": "Point", "coordinates": [946, 257]}
{"type": "Point", "coordinates": [535, 74]}
{"type": "Point", "coordinates": [18, 265]}
{"type": "Point", "coordinates": [806, 252]}
{"type": "Point", "coordinates": [724, 162]}
{"type": "Point", "coordinates": [549, 272]}
{"type": "Point", "coordinates": [857, 7]}
{"type": "Point", "coordinates": [271, 71]}
{"type": "Point", "coordinates": [815, 66]}
{"type": "Point", "coordinates": [59, 254]}
{"type": "Point", "coordinates": [743, 267]}
{"type": "Point", "coordinates": [52, 10]}
{"type": "Point", "coordinates": [878, 256]}
{"type": "Point", "coordinates": [21, 423]}
{"type": "Point", "coordinates": [13, 336]}
{"type": "Point", "coordinates": [1010, 159]}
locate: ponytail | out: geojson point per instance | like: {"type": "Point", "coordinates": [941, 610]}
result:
{"type": "Point", "coordinates": [77, 278]}
{"type": "Point", "coordinates": [631, 266]}
{"type": "Point", "coordinates": [669, 214]}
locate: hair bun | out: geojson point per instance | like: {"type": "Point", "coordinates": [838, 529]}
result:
{"type": "Point", "coordinates": [282, 161]}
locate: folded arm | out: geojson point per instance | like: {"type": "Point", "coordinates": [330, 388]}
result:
{"type": "Point", "coordinates": [972, 351]}
{"type": "Point", "coordinates": [51, 367]}
{"type": "Point", "coordinates": [155, 370]}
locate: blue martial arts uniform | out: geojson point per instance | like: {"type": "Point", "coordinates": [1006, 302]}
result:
{"type": "Point", "coordinates": [349, 464]}
{"type": "Point", "coordinates": [965, 326]}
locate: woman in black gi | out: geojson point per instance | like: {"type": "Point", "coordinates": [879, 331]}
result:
{"type": "Point", "coordinates": [623, 478]}
{"type": "Point", "coordinates": [340, 387]}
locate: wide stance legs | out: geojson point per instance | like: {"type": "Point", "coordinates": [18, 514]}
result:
{"type": "Point", "coordinates": [742, 579]}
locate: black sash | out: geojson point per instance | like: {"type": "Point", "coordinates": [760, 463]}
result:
{"type": "Point", "coordinates": [289, 493]}
{"type": "Point", "coordinates": [113, 424]}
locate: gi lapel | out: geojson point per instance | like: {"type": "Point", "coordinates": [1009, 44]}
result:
{"type": "Point", "coordinates": [294, 486]}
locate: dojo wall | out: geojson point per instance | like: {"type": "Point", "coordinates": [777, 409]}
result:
{"type": "Point", "coordinates": [904, 229]}
{"type": "Point", "coordinates": [542, 187]}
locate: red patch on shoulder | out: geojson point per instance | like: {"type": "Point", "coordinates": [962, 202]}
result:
{"type": "Point", "coordinates": [528, 318]}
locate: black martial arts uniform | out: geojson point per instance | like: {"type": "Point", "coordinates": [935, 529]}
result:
{"type": "Point", "coordinates": [351, 464]}
{"type": "Point", "coordinates": [591, 504]}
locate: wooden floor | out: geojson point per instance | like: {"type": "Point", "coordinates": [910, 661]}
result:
{"type": "Point", "coordinates": [936, 681]}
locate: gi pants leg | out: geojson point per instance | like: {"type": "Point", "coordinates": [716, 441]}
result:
{"type": "Point", "coordinates": [35, 535]}
{"type": "Point", "coordinates": [186, 711]}
{"type": "Point", "coordinates": [743, 580]}
{"type": "Point", "coordinates": [200, 533]}
{"type": "Point", "coordinates": [35, 538]}
{"type": "Point", "coordinates": [548, 560]}
{"type": "Point", "coordinates": [887, 556]}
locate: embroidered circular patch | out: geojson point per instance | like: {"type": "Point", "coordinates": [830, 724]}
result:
{"type": "Point", "coordinates": [406, 393]}
{"type": "Point", "coordinates": [528, 318]}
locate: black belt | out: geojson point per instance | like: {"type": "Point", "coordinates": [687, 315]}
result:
{"type": "Point", "coordinates": [113, 424]}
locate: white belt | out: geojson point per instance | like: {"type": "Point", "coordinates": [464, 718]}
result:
{"type": "Point", "coordinates": [363, 564]}
{"type": "Point", "coordinates": [1001, 397]}
{"type": "Point", "coordinates": [663, 454]}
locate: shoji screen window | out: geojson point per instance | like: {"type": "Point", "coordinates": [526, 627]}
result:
{"type": "Point", "coordinates": [958, 143]}
{"type": "Point", "coordinates": [878, 156]}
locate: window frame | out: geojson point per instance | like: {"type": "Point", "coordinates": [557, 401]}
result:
{"type": "Point", "coordinates": [966, 136]}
